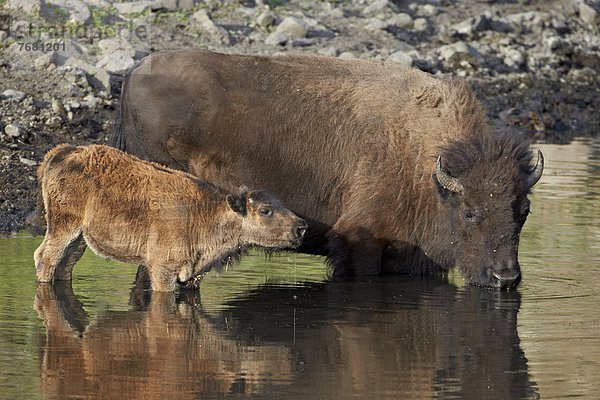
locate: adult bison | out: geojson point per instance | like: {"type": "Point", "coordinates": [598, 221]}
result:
{"type": "Point", "coordinates": [394, 170]}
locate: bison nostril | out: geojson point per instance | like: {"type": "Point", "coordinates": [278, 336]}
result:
{"type": "Point", "coordinates": [301, 230]}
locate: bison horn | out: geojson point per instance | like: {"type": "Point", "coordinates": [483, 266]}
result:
{"type": "Point", "coordinates": [449, 182]}
{"type": "Point", "coordinates": [536, 174]}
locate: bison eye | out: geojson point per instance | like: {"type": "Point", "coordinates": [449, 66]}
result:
{"type": "Point", "coordinates": [469, 216]}
{"type": "Point", "coordinates": [265, 212]}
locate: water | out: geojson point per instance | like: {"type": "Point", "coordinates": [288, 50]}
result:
{"type": "Point", "coordinates": [276, 327]}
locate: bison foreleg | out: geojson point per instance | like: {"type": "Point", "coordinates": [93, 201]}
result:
{"type": "Point", "coordinates": [354, 252]}
{"type": "Point", "coordinates": [163, 279]}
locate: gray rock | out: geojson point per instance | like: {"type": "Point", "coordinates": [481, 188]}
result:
{"type": "Point", "coordinates": [78, 11]}
{"type": "Point", "coordinates": [458, 52]}
{"type": "Point", "coordinates": [376, 7]}
{"type": "Point", "coordinates": [116, 63]}
{"type": "Point", "coordinates": [347, 55]}
{"type": "Point", "coordinates": [401, 57]}
{"type": "Point", "coordinates": [44, 61]}
{"type": "Point", "coordinates": [173, 5]}
{"type": "Point", "coordinates": [3, 36]}
{"type": "Point", "coordinates": [98, 3]}
{"type": "Point", "coordinates": [317, 29]}
{"type": "Point", "coordinates": [265, 19]}
{"type": "Point", "coordinates": [329, 51]}
{"type": "Point", "coordinates": [514, 58]}
{"type": "Point", "coordinates": [304, 42]}
{"type": "Point", "coordinates": [15, 131]}
{"type": "Point", "coordinates": [420, 24]}
{"type": "Point", "coordinates": [532, 20]}
{"type": "Point", "coordinates": [90, 101]}
{"type": "Point", "coordinates": [54, 122]}
{"type": "Point", "coordinates": [111, 45]}
{"type": "Point", "coordinates": [558, 45]}
{"type": "Point", "coordinates": [472, 25]}
{"type": "Point", "coordinates": [401, 20]}
{"type": "Point", "coordinates": [590, 13]}
{"type": "Point", "coordinates": [28, 162]}
{"type": "Point", "coordinates": [293, 27]}
{"type": "Point", "coordinates": [29, 6]}
{"type": "Point", "coordinates": [208, 26]}
{"type": "Point", "coordinates": [276, 39]}
{"type": "Point", "coordinates": [375, 24]}
{"type": "Point", "coordinates": [96, 77]}
{"type": "Point", "coordinates": [133, 6]}
{"type": "Point", "coordinates": [73, 49]}
{"type": "Point", "coordinates": [429, 10]}
{"type": "Point", "coordinates": [13, 95]}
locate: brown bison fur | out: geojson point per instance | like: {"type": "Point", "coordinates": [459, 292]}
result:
{"type": "Point", "coordinates": [352, 146]}
{"type": "Point", "coordinates": [143, 213]}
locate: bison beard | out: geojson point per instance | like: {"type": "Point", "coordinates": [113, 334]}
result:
{"type": "Point", "coordinates": [394, 170]}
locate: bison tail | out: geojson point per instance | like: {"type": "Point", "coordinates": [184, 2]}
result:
{"type": "Point", "coordinates": [118, 140]}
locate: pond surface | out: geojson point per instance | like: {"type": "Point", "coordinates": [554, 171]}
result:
{"type": "Point", "coordinates": [275, 327]}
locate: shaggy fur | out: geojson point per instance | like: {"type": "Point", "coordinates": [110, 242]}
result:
{"type": "Point", "coordinates": [349, 145]}
{"type": "Point", "coordinates": [143, 213]}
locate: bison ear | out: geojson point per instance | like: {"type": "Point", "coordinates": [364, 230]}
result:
{"type": "Point", "coordinates": [236, 204]}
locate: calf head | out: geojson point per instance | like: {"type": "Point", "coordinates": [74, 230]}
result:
{"type": "Point", "coordinates": [265, 220]}
{"type": "Point", "coordinates": [483, 188]}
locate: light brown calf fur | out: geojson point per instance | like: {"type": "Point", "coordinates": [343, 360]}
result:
{"type": "Point", "coordinates": [143, 213]}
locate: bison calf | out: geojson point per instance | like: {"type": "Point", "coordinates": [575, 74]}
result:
{"type": "Point", "coordinates": [139, 212]}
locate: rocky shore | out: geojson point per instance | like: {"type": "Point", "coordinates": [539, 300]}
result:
{"type": "Point", "coordinates": [534, 63]}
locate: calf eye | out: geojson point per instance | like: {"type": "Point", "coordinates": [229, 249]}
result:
{"type": "Point", "coordinates": [469, 216]}
{"type": "Point", "coordinates": [265, 212]}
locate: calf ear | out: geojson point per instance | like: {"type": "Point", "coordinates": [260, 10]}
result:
{"type": "Point", "coordinates": [236, 204]}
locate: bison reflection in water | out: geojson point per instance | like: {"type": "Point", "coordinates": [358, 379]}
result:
{"type": "Point", "coordinates": [386, 339]}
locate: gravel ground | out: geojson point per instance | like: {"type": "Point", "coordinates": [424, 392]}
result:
{"type": "Point", "coordinates": [534, 64]}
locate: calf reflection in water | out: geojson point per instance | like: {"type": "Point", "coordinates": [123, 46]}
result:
{"type": "Point", "coordinates": [386, 339]}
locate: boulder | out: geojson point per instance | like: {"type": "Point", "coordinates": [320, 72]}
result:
{"type": "Point", "coordinates": [276, 39]}
{"type": "Point", "coordinates": [13, 95]}
{"type": "Point", "coordinates": [455, 53]}
{"type": "Point", "coordinates": [589, 12]}
{"type": "Point", "coordinates": [209, 27]}
{"type": "Point", "coordinates": [401, 57]}
{"type": "Point", "coordinates": [28, 6]}
{"type": "Point", "coordinates": [78, 11]}
{"type": "Point", "coordinates": [133, 6]}
{"type": "Point", "coordinates": [112, 45]}
{"type": "Point", "coordinates": [45, 60]}
{"type": "Point", "coordinates": [401, 20]}
{"type": "Point", "coordinates": [117, 62]}
{"type": "Point", "coordinates": [376, 7]}
{"type": "Point", "coordinates": [292, 27]}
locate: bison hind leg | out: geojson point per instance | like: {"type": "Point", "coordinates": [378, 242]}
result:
{"type": "Point", "coordinates": [57, 255]}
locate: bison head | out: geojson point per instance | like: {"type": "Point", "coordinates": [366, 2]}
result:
{"type": "Point", "coordinates": [266, 222]}
{"type": "Point", "coordinates": [483, 188]}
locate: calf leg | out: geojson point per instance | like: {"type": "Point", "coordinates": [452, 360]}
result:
{"type": "Point", "coordinates": [55, 253]}
{"type": "Point", "coordinates": [64, 270]}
